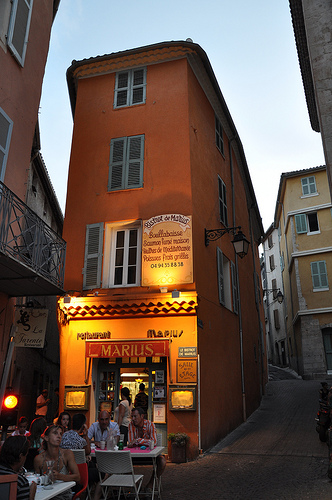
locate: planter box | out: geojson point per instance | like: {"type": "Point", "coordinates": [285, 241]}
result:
{"type": "Point", "coordinates": [178, 453]}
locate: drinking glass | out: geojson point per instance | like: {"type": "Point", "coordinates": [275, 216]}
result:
{"type": "Point", "coordinates": [49, 474]}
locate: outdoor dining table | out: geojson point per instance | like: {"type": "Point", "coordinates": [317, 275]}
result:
{"type": "Point", "coordinates": [58, 488]}
{"type": "Point", "coordinates": [143, 455]}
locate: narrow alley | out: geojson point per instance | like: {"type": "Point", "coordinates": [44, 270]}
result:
{"type": "Point", "coordinates": [276, 454]}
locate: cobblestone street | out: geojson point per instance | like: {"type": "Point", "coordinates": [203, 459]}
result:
{"type": "Point", "coordinates": [275, 454]}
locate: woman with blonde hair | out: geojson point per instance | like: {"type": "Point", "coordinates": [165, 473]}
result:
{"type": "Point", "coordinates": [64, 465]}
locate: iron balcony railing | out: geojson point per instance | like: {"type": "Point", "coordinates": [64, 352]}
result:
{"type": "Point", "coordinates": [29, 240]}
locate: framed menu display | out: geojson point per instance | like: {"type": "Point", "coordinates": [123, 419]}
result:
{"type": "Point", "coordinates": [159, 413]}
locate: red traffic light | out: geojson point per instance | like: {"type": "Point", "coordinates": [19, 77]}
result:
{"type": "Point", "coordinates": [10, 402]}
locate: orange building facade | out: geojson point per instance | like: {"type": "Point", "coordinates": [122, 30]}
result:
{"type": "Point", "coordinates": [155, 161]}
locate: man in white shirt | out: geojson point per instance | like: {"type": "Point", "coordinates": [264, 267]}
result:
{"type": "Point", "coordinates": [99, 430]}
{"type": "Point", "coordinates": [42, 404]}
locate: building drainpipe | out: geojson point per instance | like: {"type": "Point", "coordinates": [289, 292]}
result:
{"type": "Point", "coordinates": [199, 406]}
{"type": "Point", "coordinates": [244, 408]}
{"type": "Point", "coordinates": [290, 291]}
{"type": "Point", "coordinates": [261, 337]}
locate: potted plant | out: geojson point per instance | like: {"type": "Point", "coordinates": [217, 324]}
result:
{"type": "Point", "coordinates": [178, 442]}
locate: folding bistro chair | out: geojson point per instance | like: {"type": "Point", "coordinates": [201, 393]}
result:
{"type": "Point", "coordinates": [119, 464]}
{"type": "Point", "coordinates": [83, 469]}
{"type": "Point", "coordinates": [80, 458]}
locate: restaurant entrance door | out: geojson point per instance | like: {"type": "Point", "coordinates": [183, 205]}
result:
{"type": "Point", "coordinates": [124, 373]}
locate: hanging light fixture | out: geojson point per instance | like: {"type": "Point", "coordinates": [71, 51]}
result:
{"type": "Point", "coordinates": [240, 242]}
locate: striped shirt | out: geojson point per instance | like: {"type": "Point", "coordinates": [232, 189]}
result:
{"type": "Point", "coordinates": [23, 489]}
{"type": "Point", "coordinates": [149, 432]}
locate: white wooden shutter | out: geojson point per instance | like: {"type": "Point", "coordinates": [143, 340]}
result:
{"type": "Point", "coordinates": [18, 31]}
{"type": "Point", "coordinates": [301, 223]}
{"type": "Point", "coordinates": [235, 289]}
{"type": "Point", "coordinates": [220, 268]}
{"type": "Point", "coordinates": [116, 166]}
{"type": "Point", "coordinates": [6, 126]}
{"type": "Point", "coordinates": [121, 97]}
{"type": "Point", "coordinates": [135, 161]}
{"type": "Point", "coordinates": [93, 256]}
{"type": "Point", "coordinates": [138, 86]}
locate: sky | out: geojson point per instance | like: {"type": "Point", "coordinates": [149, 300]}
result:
{"type": "Point", "coordinates": [252, 51]}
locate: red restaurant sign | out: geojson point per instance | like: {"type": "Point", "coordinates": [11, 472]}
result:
{"type": "Point", "coordinates": [118, 349]}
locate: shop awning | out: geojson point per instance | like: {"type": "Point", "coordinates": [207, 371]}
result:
{"type": "Point", "coordinates": [126, 349]}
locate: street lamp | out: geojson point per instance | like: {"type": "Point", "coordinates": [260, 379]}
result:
{"type": "Point", "coordinates": [240, 242]}
{"type": "Point", "coordinates": [279, 296]}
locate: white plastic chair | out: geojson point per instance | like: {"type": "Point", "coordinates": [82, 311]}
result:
{"type": "Point", "coordinates": [79, 455]}
{"type": "Point", "coordinates": [159, 439]}
{"type": "Point", "coordinates": [120, 465]}
{"type": "Point", "coordinates": [80, 458]}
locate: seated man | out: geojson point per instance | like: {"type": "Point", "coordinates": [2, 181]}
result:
{"type": "Point", "coordinates": [140, 431]}
{"type": "Point", "coordinates": [99, 430]}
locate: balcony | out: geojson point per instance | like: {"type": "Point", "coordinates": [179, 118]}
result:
{"type": "Point", "coordinates": [32, 255]}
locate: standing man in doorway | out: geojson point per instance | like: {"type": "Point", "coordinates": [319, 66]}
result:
{"type": "Point", "coordinates": [142, 400]}
{"type": "Point", "coordinates": [42, 404]}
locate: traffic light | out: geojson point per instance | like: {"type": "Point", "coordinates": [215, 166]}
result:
{"type": "Point", "coordinates": [9, 409]}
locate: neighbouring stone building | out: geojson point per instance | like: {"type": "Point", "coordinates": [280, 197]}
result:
{"type": "Point", "coordinates": [303, 218]}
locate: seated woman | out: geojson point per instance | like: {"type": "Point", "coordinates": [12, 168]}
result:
{"type": "Point", "coordinates": [65, 467]}
{"type": "Point", "coordinates": [12, 457]}
{"type": "Point", "coordinates": [64, 420]}
{"type": "Point", "coordinates": [37, 427]}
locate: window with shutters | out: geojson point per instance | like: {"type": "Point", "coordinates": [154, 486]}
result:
{"type": "Point", "coordinates": [309, 186]}
{"type": "Point", "coordinates": [307, 223]}
{"type": "Point", "coordinates": [126, 163]}
{"type": "Point", "coordinates": [6, 126]}
{"type": "Point", "coordinates": [113, 260]}
{"type": "Point", "coordinates": [276, 319]}
{"type": "Point", "coordinates": [270, 241]}
{"type": "Point", "coordinates": [224, 280]}
{"type": "Point", "coordinates": [122, 255]}
{"type": "Point", "coordinates": [18, 30]}
{"type": "Point", "coordinates": [130, 87]}
{"type": "Point", "coordinates": [222, 202]}
{"type": "Point", "coordinates": [274, 288]}
{"type": "Point", "coordinates": [272, 265]}
{"type": "Point", "coordinates": [319, 275]}
{"type": "Point", "coordinates": [219, 135]}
